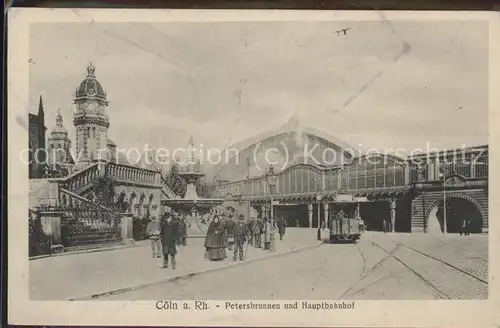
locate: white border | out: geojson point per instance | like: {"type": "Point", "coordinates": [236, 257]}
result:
{"type": "Point", "coordinates": [21, 311]}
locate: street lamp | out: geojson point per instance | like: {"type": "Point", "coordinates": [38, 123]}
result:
{"type": "Point", "coordinates": [271, 182]}
{"type": "Point", "coordinates": [318, 199]}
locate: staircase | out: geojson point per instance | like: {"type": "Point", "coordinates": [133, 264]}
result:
{"type": "Point", "coordinates": [81, 181]}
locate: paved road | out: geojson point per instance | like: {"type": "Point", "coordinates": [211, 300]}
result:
{"type": "Point", "coordinates": [363, 271]}
{"type": "Point", "coordinates": [82, 275]}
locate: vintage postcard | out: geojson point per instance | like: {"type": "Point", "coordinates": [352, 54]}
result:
{"type": "Point", "coordinates": [253, 168]}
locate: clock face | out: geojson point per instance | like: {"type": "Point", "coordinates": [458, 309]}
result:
{"type": "Point", "coordinates": [92, 107]}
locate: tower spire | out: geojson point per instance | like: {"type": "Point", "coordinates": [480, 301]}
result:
{"type": "Point", "coordinates": [59, 121]}
{"type": "Point", "coordinates": [40, 106]}
{"type": "Point", "coordinates": [90, 69]}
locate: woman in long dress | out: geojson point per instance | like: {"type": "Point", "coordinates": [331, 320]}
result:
{"type": "Point", "coordinates": [267, 234]}
{"type": "Point", "coordinates": [216, 241]}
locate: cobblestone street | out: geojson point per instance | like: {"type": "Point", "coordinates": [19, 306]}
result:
{"type": "Point", "coordinates": [336, 271]}
{"type": "Point", "coordinates": [75, 276]}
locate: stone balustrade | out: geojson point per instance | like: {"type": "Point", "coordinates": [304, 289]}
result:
{"type": "Point", "coordinates": [79, 179]}
{"type": "Point", "coordinates": [131, 173]}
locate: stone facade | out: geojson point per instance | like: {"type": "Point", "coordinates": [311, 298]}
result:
{"type": "Point", "coordinates": [37, 153]}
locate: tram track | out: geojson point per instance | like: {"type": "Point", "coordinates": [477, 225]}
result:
{"type": "Point", "coordinates": [441, 294]}
{"type": "Point", "coordinates": [431, 271]}
{"type": "Point", "coordinates": [445, 263]}
{"type": "Point", "coordinates": [364, 273]}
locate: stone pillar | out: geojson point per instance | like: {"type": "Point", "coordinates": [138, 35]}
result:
{"type": "Point", "coordinates": [51, 226]}
{"type": "Point", "coordinates": [310, 211]}
{"type": "Point", "coordinates": [194, 213]}
{"type": "Point", "coordinates": [430, 170]}
{"type": "Point", "coordinates": [127, 223]}
{"type": "Point", "coordinates": [325, 206]}
{"type": "Point", "coordinates": [406, 170]}
{"type": "Point", "coordinates": [392, 206]}
{"type": "Point", "coordinates": [473, 166]}
{"type": "Point", "coordinates": [155, 209]}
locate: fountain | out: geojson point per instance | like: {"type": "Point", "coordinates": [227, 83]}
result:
{"type": "Point", "coordinates": [191, 202]}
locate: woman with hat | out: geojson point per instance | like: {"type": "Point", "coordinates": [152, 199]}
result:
{"type": "Point", "coordinates": [216, 240]}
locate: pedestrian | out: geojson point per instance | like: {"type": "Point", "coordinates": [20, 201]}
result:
{"type": "Point", "coordinates": [281, 227]}
{"type": "Point", "coordinates": [469, 226]}
{"type": "Point", "coordinates": [229, 225]}
{"type": "Point", "coordinates": [257, 232]}
{"type": "Point", "coordinates": [463, 227]}
{"type": "Point", "coordinates": [181, 221]}
{"type": "Point", "coordinates": [249, 229]}
{"type": "Point", "coordinates": [384, 226]}
{"type": "Point", "coordinates": [169, 234]}
{"type": "Point", "coordinates": [267, 233]}
{"type": "Point", "coordinates": [153, 231]}
{"type": "Point", "coordinates": [216, 241]}
{"type": "Point", "coordinates": [240, 237]}
{"type": "Point", "coordinates": [297, 224]}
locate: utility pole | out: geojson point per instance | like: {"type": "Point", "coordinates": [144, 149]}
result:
{"type": "Point", "coordinates": [247, 187]}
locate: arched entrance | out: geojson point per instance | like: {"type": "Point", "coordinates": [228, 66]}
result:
{"type": "Point", "coordinates": [459, 208]}
{"type": "Point", "coordinates": [374, 213]}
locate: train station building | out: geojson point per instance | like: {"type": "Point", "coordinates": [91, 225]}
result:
{"type": "Point", "coordinates": [311, 169]}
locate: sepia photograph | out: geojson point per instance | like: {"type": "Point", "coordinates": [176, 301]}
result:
{"type": "Point", "coordinates": [318, 163]}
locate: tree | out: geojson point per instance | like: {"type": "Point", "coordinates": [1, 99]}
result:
{"type": "Point", "coordinates": [175, 181]}
{"type": "Point", "coordinates": [104, 191]}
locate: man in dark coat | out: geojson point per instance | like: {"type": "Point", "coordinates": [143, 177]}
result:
{"type": "Point", "coordinates": [183, 225]}
{"type": "Point", "coordinates": [257, 230]}
{"type": "Point", "coordinates": [281, 227]}
{"type": "Point", "coordinates": [169, 234]}
{"type": "Point", "coordinates": [230, 224]}
{"type": "Point", "coordinates": [240, 237]}
{"type": "Point", "coordinates": [249, 230]}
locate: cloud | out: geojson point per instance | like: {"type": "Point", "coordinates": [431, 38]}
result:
{"type": "Point", "coordinates": [229, 81]}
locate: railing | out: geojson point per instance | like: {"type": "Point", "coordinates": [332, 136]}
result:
{"type": "Point", "coordinates": [84, 223]}
{"type": "Point", "coordinates": [83, 178]}
{"type": "Point", "coordinates": [80, 180]}
{"type": "Point", "coordinates": [131, 173]}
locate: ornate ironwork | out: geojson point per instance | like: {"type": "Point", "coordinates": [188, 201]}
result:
{"type": "Point", "coordinates": [89, 224]}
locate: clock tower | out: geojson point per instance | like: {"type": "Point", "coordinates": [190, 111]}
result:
{"type": "Point", "coordinates": [90, 119]}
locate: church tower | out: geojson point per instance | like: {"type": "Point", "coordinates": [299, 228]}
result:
{"type": "Point", "coordinates": [60, 145]}
{"type": "Point", "coordinates": [90, 119]}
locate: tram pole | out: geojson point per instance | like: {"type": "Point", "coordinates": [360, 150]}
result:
{"type": "Point", "coordinates": [445, 230]}
{"type": "Point", "coordinates": [318, 198]}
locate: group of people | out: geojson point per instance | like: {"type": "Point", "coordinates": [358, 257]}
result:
{"type": "Point", "coordinates": [224, 232]}
{"type": "Point", "coordinates": [166, 233]}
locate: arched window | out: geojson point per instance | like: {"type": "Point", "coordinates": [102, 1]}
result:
{"type": "Point", "coordinates": [93, 132]}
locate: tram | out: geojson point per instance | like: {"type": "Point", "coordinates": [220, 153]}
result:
{"type": "Point", "coordinates": [345, 221]}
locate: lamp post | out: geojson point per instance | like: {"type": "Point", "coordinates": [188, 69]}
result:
{"type": "Point", "coordinates": [443, 175]}
{"type": "Point", "coordinates": [318, 200]}
{"type": "Point", "coordinates": [271, 182]}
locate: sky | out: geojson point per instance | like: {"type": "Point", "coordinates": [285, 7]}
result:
{"type": "Point", "coordinates": [382, 85]}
